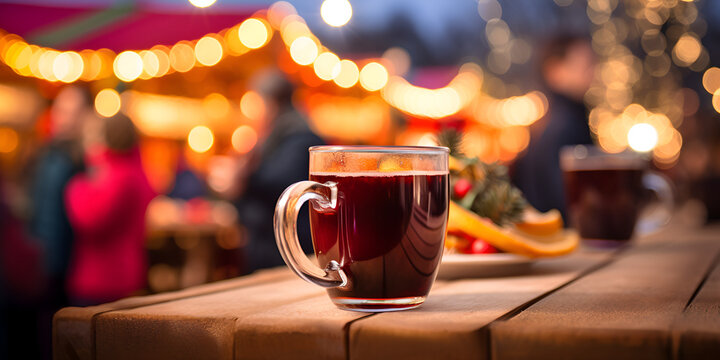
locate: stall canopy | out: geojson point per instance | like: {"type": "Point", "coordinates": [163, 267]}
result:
{"type": "Point", "coordinates": [119, 27]}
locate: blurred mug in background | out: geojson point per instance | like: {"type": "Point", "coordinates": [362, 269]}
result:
{"type": "Point", "coordinates": [607, 193]}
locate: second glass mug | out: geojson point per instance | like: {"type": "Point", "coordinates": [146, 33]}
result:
{"type": "Point", "coordinates": [378, 217]}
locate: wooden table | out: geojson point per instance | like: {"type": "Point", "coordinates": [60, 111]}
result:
{"type": "Point", "coordinates": [658, 299]}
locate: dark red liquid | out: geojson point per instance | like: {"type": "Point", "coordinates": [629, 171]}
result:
{"type": "Point", "coordinates": [387, 233]}
{"type": "Point", "coordinates": [604, 204]}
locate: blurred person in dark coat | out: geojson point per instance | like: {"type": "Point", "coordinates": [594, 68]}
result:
{"type": "Point", "coordinates": [106, 207]}
{"type": "Point", "coordinates": [58, 162]}
{"type": "Point", "coordinates": [278, 161]}
{"type": "Point", "coordinates": [567, 68]}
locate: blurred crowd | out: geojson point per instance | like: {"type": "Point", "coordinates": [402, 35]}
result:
{"type": "Point", "coordinates": [81, 239]}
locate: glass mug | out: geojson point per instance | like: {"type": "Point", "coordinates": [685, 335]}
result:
{"type": "Point", "coordinates": [607, 193]}
{"type": "Point", "coordinates": [377, 216]}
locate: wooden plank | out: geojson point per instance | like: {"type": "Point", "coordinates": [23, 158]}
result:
{"type": "Point", "coordinates": [697, 333]}
{"type": "Point", "coordinates": [622, 311]}
{"type": "Point", "coordinates": [73, 331]}
{"type": "Point", "coordinates": [452, 323]}
{"type": "Point", "coordinates": [200, 327]}
{"type": "Point", "coordinates": [311, 329]}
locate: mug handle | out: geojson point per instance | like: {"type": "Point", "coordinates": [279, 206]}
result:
{"type": "Point", "coordinates": [658, 217]}
{"type": "Point", "coordinates": [286, 212]}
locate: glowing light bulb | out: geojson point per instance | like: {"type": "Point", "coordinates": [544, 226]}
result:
{"type": "Point", "coordinates": [202, 3]}
{"type": "Point", "coordinates": [107, 102]}
{"type": "Point", "coordinates": [642, 137]}
{"type": "Point", "coordinates": [200, 139]}
{"type": "Point", "coordinates": [336, 12]}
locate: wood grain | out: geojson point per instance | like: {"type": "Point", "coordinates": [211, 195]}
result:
{"type": "Point", "coordinates": [452, 323]}
{"type": "Point", "coordinates": [73, 327]}
{"type": "Point", "coordinates": [311, 329]}
{"type": "Point", "coordinates": [200, 327]}
{"type": "Point", "coordinates": [622, 311]}
{"type": "Point", "coordinates": [697, 332]}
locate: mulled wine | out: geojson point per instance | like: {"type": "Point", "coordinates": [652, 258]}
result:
{"type": "Point", "coordinates": [605, 203]}
{"type": "Point", "coordinates": [386, 233]}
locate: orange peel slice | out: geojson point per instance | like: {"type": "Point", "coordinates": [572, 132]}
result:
{"type": "Point", "coordinates": [509, 239]}
{"type": "Point", "coordinates": [538, 223]}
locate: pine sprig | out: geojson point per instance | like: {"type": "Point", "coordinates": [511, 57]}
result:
{"type": "Point", "coordinates": [500, 202]}
{"type": "Point", "coordinates": [452, 139]}
{"type": "Point", "coordinates": [492, 195]}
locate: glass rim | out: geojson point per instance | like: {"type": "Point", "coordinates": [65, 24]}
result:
{"type": "Point", "coordinates": [424, 150]}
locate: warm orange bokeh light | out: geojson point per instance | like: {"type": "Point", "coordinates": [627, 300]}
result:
{"type": "Point", "coordinates": [107, 102]}
{"type": "Point", "coordinates": [348, 74]}
{"type": "Point", "coordinates": [200, 139]}
{"type": "Point", "coordinates": [208, 50]}
{"type": "Point", "coordinates": [253, 33]}
{"type": "Point", "coordinates": [8, 140]}
{"type": "Point", "coordinates": [128, 66]}
{"type": "Point", "coordinates": [303, 50]}
{"type": "Point", "coordinates": [244, 139]}
{"type": "Point", "coordinates": [252, 106]}
{"type": "Point", "coordinates": [182, 57]}
{"type": "Point", "coordinates": [373, 76]}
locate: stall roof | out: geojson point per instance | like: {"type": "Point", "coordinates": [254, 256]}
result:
{"type": "Point", "coordinates": [118, 27]}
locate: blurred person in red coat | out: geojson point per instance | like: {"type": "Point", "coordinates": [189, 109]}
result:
{"type": "Point", "coordinates": [106, 208]}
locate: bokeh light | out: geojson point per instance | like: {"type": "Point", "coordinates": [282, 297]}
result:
{"type": "Point", "coordinates": [68, 66]}
{"type": "Point", "coordinates": [208, 51]}
{"type": "Point", "coordinates": [216, 106]}
{"type": "Point", "coordinates": [489, 9]}
{"type": "Point", "coordinates": [163, 57]}
{"type": "Point", "coordinates": [687, 50]}
{"type": "Point", "coordinates": [252, 106]}
{"type": "Point", "coordinates": [151, 63]}
{"type": "Point", "coordinates": [202, 3]}
{"type": "Point", "coordinates": [325, 66]}
{"type": "Point", "coordinates": [303, 50]}
{"type": "Point", "coordinates": [716, 100]}
{"type": "Point", "coordinates": [373, 76]}
{"type": "Point", "coordinates": [46, 63]}
{"type": "Point", "coordinates": [336, 12]}
{"type": "Point", "coordinates": [399, 60]}
{"type": "Point", "coordinates": [279, 11]}
{"type": "Point", "coordinates": [244, 139]}
{"type": "Point", "coordinates": [711, 79]}
{"type": "Point", "coordinates": [642, 137]}
{"type": "Point", "coordinates": [253, 33]}
{"type": "Point", "coordinates": [348, 74]}
{"type": "Point", "coordinates": [292, 28]}
{"type": "Point", "coordinates": [107, 102]}
{"type": "Point", "coordinates": [8, 140]}
{"type": "Point", "coordinates": [182, 57]}
{"type": "Point", "coordinates": [200, 139]}
{"type": "Point", "coordinates": [128, 66]}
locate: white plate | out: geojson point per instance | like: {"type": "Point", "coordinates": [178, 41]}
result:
{"type": "Point", "coordinates": [455, 266]}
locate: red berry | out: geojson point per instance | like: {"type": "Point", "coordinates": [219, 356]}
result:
{"type": "Point", "coordinates": [461, 188]}
{"type": "Point", "coordinates": [481, 247]}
